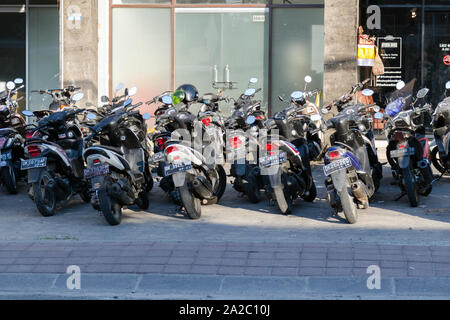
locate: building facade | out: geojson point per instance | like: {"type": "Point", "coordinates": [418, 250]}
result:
{"type": "Point", "coordinates": [158, 45]}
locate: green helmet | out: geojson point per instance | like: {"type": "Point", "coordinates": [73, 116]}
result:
{"type": "Point", "coordinates": [178, 96]}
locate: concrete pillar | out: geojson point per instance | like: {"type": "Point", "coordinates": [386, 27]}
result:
{"type": "Point", "coordinates": [80, 46]}
{"type": "Point", "coordinates": [341, 26]}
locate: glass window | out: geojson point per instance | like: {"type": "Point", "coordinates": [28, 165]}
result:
{"type": "Point", "coordinates": [12, 48]}
{"type": "Point", "coordinates": [235, 37]}
{"type": "Point", "coordinates": [141, 51]}
{"type": "Point", "coordinates": [298, 1]}
{"type": "Point", "coordinates": [43, 55]}
{"type": "Point", "coordinates": [297, 51]}
{"type": "Point", "coordinates": [221, 1]}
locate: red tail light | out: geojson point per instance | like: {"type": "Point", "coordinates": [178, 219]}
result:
{"type": "Point", "coordinates": [33, 151]}
{"type": "Point", "coordinates": [206, 121]}
{"type": "Point", "coordinates": [161, 141]}
{"type": "Point", "coordinates": [334, 154]}
{"type": "Point", "coordinates": [171, 149]}
{"type": "Point", "coordinates": [271, 147]}
{"type": "Point", "coordinates": [402, 146]}
{"type": "Point", "coordinates": [235, 142]}
{"type": "Point", "coordinates": [96, 161]}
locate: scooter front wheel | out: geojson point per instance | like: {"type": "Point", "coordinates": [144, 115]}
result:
{"type": "Point", "coordinates": [44, 196]}
{"type": "Point", "coordinates": [191, 204]}
{"type": "Point", "coordinates": [348, 206]}
{"type": "Point", "coordinates": [112, 211]}
{"type": "Point", "coordinates": [283, 199]}
{"type": "Point", "coordinates": [9, 179]}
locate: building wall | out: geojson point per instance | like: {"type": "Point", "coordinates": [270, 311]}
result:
{"type": "Point", "coordinates": [80, 46]}
{"type": "Point", "coordinates": [340, 70]}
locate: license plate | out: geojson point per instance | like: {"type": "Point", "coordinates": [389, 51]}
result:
{"type": "Point", "coordinates": [397, 153]}
{"type": "Point", "coordinates": [157, 157]}
{"type": "Point", "coordinates": [33, 163]}
{"type": "Point", "coordinates": [6, 156]}
{"type": "Point", "coordinates": [273, 160]}
{"type": "Point", "coordinates": [337, 165]}
{"type": "Point", "coordinates": [177, 167]}
{"type": "Point", "coordinates": [96, 171]}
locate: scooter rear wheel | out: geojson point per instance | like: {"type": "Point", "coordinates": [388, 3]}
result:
{"type": "Point", "coordinates": [112, 211]}
{"type": "Point", "coordinates": [44, 198]}
{"type": "Point", "coordinates": [9, 179]}
{"type": "Point", "coordinates": [436, 160]}
{"type": "Point", "coordinates": [410, 187]}
{"type": "Point", "coordinates": [348, 206]}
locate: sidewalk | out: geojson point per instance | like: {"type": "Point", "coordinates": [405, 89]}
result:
{"type": "Point", "coordinates": [224, 269]}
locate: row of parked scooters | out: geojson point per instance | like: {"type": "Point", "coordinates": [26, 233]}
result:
{"type": "Point", "coordinates": [110, 158]}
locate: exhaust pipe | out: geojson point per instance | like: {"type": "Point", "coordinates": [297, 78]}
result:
{"type": "Point", "coordinates": [120, 195]}
{"type": "Point", "coordinates": [203, 188]}
{"type": "Point", "coordinates": [360, 193]}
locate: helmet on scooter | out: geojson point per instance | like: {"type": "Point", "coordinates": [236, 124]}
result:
{"type": "Point", "coordinates": [178, 96]}
{"type": "Point", "coordinates": [190, 92]}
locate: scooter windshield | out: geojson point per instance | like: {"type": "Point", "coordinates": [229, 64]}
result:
{"type": "Point", "coordinates": [393, 108]}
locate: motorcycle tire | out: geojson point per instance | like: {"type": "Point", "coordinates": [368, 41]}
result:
{"type": "Point", "coordinates": [311, 194]}
{"type": "Point", "coordinates": [252, 189]}
{"type": "Point", "coordinates": [112, 211]}
{"type": "Point", "coordinates": [348, 206]}
{"type": "Point", "coordinates": [149, 185]}
{"type": "Point", "coordinates": [410, 187]}
{"type": "Point", "coordinates": [142, 201]}
{"type": "Point", "coordinates": [191, 204]}
{"type": "Point", "coordinates": [221, 187]}
{"type": "Point", "coordinates": [85, 196]}
{"type": "Point", "coordinates": [44, 198]}
{"type": "Point", "coordinates": [437, 161]}
{"type": "Point", "coordinates": [9, 179]}
{"type": "Point", "coordinates": [283, 196]}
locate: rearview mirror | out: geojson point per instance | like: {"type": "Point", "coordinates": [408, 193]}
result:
{"type": "Point", "coordinates": [280, 98]}
{"type": "Point", "coordinates": [297, 95]}
{"type": "Point", "coordinates": [132, 91]}
{"type": "Point", "coordinates": [250, 120]}
{"type": "Point", "coordinates": [422, 93]}
{"type": "Point", "coordinates": [104, 99]}
{"type": "Point", "coordinates": [308, 79]}
{"type": "Point", "coordinates": [250, 92]}
{"type": "Point", "coordinates": [77, 96]}
{"type": "Point", "coordinates": [18, 81]}
{"type": "Point", "coordinates": [376, 108]}
{"type": "Point", "coordinates": [119, 87]}
{"type": "Point", "coordinates": [10, 85]}
{"type": "Point", "coordinates": [27, 113]}
{"type": "Point", "coordinates": [378, 115]}
{"type": "Point", "coordinates": [146, 116]}
{"type": "Point", "coordinates": [400, 85]}
{"type": "Point", "coordinates": [324, 110]}
{"type": "Point", "coordinates": [316, 117]}
{"type": "Point", "coordinates": [367, 92]}
{"type": "Point", "coordinates": [253, 80]}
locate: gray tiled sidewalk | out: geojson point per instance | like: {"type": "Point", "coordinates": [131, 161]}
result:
{"type": "Point", "coordinates": [225, 258]}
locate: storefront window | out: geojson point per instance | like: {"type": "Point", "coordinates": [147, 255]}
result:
{"type": "Point", "coordinates": [141, 56]}
{"type": "Point", "coordinates": [43, 55]}
{"type": "Point", "coordinates": [221, 36]}
{"type": "Point", "coordinates": [298, 2]}
{"type": "Point", "coordinates": [140, 1]}
{"type": "Point", "coordinates": [297, 51]}
{"type": "Point", "coordinates": [221, 1]}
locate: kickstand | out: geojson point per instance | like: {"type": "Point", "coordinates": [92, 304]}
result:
{"type": "Point", "coordinates": [400, 196]}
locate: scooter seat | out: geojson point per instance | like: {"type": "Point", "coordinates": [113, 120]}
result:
{"type": "Point", "coordinates": [115, 149]}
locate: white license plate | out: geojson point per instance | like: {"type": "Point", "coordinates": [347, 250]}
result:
{"type": "Point", "coordinates": [33, 163]}
{"type": "Point", "coordinates": [96, 171]}
{"type": "Point", "coordinates": [401, 152]}
{"type": "Point", "coordinates": [269, 161]}
{"type": "Point", "coordinates": [177, 167]}
{"type": "Point", "coordinates": [6, 156]}
{"type": "Point", "coordinates": [157, 157]}
{"type": "Point", "coordinates": [337, 165]}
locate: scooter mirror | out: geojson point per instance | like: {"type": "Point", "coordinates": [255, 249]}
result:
{"type": "Point", "coordinates": [250, 120]}
{"type": "Point", "coordinates": [400, 85]}
{"type": "Point", "coordinates": [422, 93]}
{"type": "Point", "coordinates": [296, 95]}
{"type": "Point", "coordinates": [132, 91]}
{"type": "Point", "coordinates": [91, 116]}
{"type": "Point", "coordinates": [119, 87]}
{"type": "Point", "coordinates": [308, 79]}
{"type": "Point", "coordinates": [367, 92]}
{"type": "Point", "coordinates": [146, 116]}
{"type": "Point", "coordinates": [376, 108]}
{"type": "Point", "coordinates": [10, 85]}
{"type": "Point", "coordinates": [104, 99]}
{"type": "Point", "coordinates": [316, 117]}
{"type": "Point", "coordinates": [253, 80]}
{"type": "Point", "coordinates": [77, 96]}
{"type": "Point", "coordinates": [378, 115]}
{"type": "Point", "coordinates": [250, 92]}
{"type": "Point", "coordinates": [280, 98]}
{"type": "Point", "coordinates": [324, 111]}
{"type": "Point", "coordinates": [447, 85]}
{"type": "Point", "coordinates": [167, 100]}
{"type": "Point", "coordinates": [18, 81]}
{"type": "Point", "coordinates": [27, 113]}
